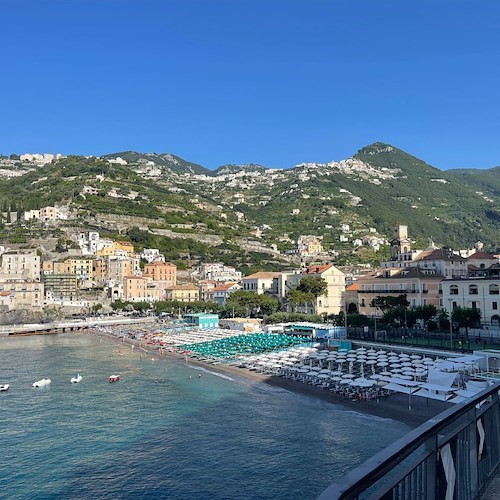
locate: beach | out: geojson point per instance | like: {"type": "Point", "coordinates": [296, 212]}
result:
{"type": "Point", "coordinates": [394, 406]}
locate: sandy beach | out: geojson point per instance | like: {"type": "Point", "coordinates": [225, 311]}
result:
{"type": "Point", "coordinates": [394, 407]}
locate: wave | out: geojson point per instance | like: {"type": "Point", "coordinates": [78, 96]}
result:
{"type": "Point", "coordinates": [217, 374]}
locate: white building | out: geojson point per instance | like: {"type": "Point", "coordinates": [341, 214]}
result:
{"type": "Point", "coordinates": [217, 271]}
{"type": "Point", "coordinates": [476, 293]}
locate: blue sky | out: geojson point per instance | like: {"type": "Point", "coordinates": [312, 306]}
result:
{"type": "Point", "coordinates": [275, 82]}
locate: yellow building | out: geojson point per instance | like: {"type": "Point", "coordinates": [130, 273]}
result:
{"type": "Point", "coordinates": [81, 268]}
{"type": "Point", "coordinates": [140, 289]}
{"type": "Point", "coordinates": [20, 295]}
{"type": "Point", "coordinates": [182, 293]}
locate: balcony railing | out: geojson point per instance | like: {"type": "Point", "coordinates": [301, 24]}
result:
{"type": "Point", "coordinates": [453, 455]}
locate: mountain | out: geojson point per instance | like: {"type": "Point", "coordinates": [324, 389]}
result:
{"type": "Point", "coordinates": [487, 180]}
{"type": "Point", "coordinates": [234, 169]}
{"type": "Point", "coordinates": [167, 160]}
{"type": "Point", "coordinates": [359, 198]}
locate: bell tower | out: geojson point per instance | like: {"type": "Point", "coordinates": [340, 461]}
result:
{"type": "Point", "coordinates": [400, 243]}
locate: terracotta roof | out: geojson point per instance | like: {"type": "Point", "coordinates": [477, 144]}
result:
{"type": "Point", "coordinates": [352, 288]}
{"type": "Point", "coordinates": [481, 255]}
{"type": "Point", "coordinates": [162, 264]}
{"type": "Point", "coordinates": [440, 254]}
{"type": "Point", "coordinates": [4, 294]}
{"type": "Point", "coordinates": [318, 269]}
{"type": "Point", "coordinates": [185, 286]}
{"type": "Point", "coordinates": [223, 288]}
{"type": "Point", "coordinates": [263, 275]}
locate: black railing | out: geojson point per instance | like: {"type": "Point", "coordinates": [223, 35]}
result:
{"type": "Point", "coordinates": [455, 453]}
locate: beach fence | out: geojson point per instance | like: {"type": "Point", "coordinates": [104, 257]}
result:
{"type": "Point", "coordinates": [454, 455]}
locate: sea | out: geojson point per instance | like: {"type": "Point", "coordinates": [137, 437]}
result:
{"type": "Point", "coordinates": [163, 431]}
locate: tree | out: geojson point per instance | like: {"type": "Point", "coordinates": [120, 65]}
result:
{"type": "Point", "coordinates": [314, 285]}
{"type": "Point", "coordinates": [296, 298]}
{"type": "Point", "coordinates": [425, 313]}
{"type": "Point", "coordinates": [466, 317]}
{"type": "Point", "coordinates": [245, 303]}
{"type": "Point", "coordinates": [385, 303]}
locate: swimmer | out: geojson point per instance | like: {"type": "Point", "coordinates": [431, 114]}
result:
{"type": "Point", "coordinates": [190, 376]}
{"type": "Point", "coordinates": [199, 375]}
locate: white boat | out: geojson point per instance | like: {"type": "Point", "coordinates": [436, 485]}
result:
{"type": "Point", "coordinates": [114, 378]}
{"type": "Point", "coordinates": [42, 383]}
{"type": "Point", "coordinates": [4, 387]}
{"type": "Point", "coordinates": [76, 378]}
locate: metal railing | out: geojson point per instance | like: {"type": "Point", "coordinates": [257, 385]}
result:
{"type": "Point", "coordinates": [453, 455]}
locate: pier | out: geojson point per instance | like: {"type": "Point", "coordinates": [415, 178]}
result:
{"type": "Point", "coordinates": [67, 326]}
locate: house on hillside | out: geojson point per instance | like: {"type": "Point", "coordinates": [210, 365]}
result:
{"type": "Point", "coordinates": [221, 293]}
{"type": "Point", "coordinates": [261, 282]}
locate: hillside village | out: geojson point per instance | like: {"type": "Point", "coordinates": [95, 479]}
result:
{"type": "Point", "coordinates": [133, 229]}
{"type": "Point", "coordinates": [99, 272]}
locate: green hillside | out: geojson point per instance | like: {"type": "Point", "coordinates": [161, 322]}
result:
{"type": "Point", "coordinates": [378, 187]}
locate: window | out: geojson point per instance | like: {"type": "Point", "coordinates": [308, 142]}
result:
{"type": "Point", "coordinates": [494, 290]}
{"type": "Point", "coordinates": [473, 290]}
{"type": "Point", "coordinates": [474, 305]}
{"type": "Point", "coordinates": [494, 305]}
{"type": "Point", "coordinates": [453, 290]}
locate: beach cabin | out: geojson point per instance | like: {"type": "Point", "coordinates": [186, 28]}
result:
{"type": "Point", "coordinates": [202, 321]}
{"type": "Point", "coordinates": [316, 330]}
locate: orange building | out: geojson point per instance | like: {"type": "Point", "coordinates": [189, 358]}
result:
{"type": "Point", "coordinates": [161, 271]}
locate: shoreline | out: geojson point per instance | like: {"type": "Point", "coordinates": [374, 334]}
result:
{"type": "Point", "coordinates": [393, 407]}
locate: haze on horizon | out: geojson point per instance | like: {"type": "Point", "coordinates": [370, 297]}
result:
{"type": "Point", "coordinates": [275, 82]}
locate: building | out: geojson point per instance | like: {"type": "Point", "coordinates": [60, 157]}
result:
{"type": "Point", "coordinates": [60, 288]}
{"type": "Point", "coordinates": [151, 254]}
{"type": "Point", "coordinates": [20, 295]}
{"type": "Point", "coordinates": [140, 289]}
{"type": "Point", "coordinates": [474, 293]}
{"type": "Point", "coordinates": [421, 287]}
{"type": "Point", "coordinates": [83, 269]}
{"type": "Point", "coordinates": [331, 303]}
{"type": "Point", "coordinates": [222, 292]}
{"type": "Point", "coordinates": [261, 282]}
{"type": "Point", "coordinates": [182, 293]}
{"type": "Point", "coordinates": [203, 321]}
{"type": "Point", "coordinates": [443, 261]}
{"type": "Point", "coordinates": [242, 324]}
{"type": "Point", "coordinates": [20, 266]}
{"type": "Point", "coordinates": [162, 271]}
{"type": "Point", "coordinates": [108, 248]}
{"type": "Point", "coordinates": [309, 245]}
{"type": "Point", "coordinates": [219, 272]}
{"type": "Point", "coordinates": [351, 296]}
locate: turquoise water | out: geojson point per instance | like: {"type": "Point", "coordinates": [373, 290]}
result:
{"type": "Point", "coordinates": [163, 432]}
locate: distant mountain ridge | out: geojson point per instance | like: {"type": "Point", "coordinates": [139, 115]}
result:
{"type": "Point", "coordinates": [234, 169]}
{"type": "Point", "coordinates": [168, 160]}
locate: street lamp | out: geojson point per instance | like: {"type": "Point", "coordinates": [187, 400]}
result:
{"type": "Point", "coordinates": [451, 326]}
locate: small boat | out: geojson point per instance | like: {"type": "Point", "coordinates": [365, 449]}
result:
{"type": "Point", "coordinates": [42, 383]}
{"type": "Point", "coordinates": [4, 387]}
{"type": "Point", "coordinates": [76, 378]}
{"type": "Point", "coordinates": [114, 378]}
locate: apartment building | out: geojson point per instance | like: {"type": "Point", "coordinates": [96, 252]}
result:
{"type": "Point", "coordinates": [182, 293]}
{"type": "Point", "coordinates": [481, 293]}
{"type": "Point", "coordinates": [20, 266]}
{"type": "Point", "coordinates": [421, 287]}
{"type": "Point", "coordinates": [21, 295]}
